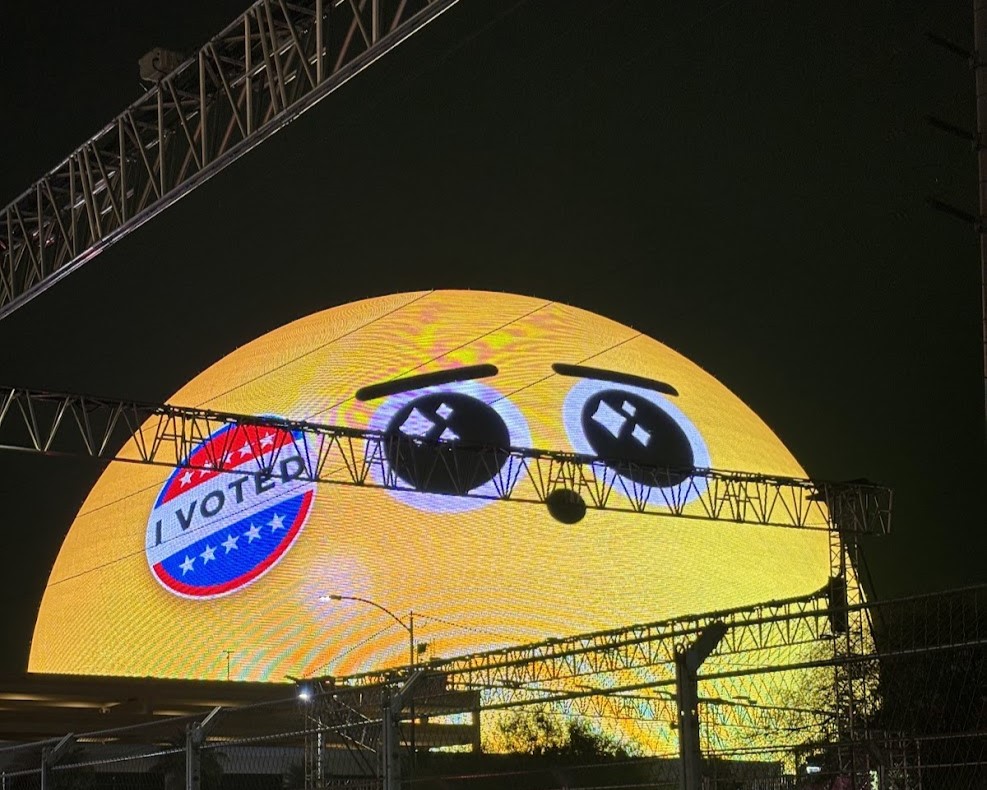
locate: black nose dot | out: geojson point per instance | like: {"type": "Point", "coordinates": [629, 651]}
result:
{"type": "Point", "coordinates": [566, 506]}
{"type": "Point", "coordinates": [452, 417]}
{"type": "Point", "coordinates": [629, 432]}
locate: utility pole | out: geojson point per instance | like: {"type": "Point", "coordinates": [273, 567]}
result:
{"type": "Point", "coordinates": [980, 75]}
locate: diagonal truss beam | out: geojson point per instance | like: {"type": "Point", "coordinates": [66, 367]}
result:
{"type": "Point", "coordinates": [629, 673]}
{"type": "Point", "coordinates": [755, 680]}
{"type": "Point", "coordinates": [528, 671]}
{"type": "Point", "coordinates": [260, 73]}
{"type": "Point", "coordinates": [175, 436]}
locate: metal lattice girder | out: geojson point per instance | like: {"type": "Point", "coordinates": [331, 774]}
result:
{"type": "Point", "coordinates": [266, 68]}
{"type": "Point", "coordinates": [762, 677]}
{"type": "Point", "coordinates": [629, 672]}
{"type": "Point", "coordinates": [528, 673]}
{"type": "Point", "coordinates": [54, 423]}
{"type": "Point", "coordinates": [343, 718]}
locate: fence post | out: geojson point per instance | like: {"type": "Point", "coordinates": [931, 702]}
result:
{"type": "Point", "coordinates": [687, 663]}
{"type": "Point", "coordinates": [195, 736]}
{"type": "Point", "coordinates": [51, 756]}
{"type": "Point", "coordinates": [393, 703]}
{"type": "Point", "coordinates": [391, 759]}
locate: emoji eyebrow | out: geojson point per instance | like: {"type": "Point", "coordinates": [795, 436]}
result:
{"type": "Point", "coordinates": [394, 386]}
{"type": "Point", "coordinates": [582, 372]}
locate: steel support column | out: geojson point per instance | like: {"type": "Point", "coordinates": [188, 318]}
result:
{"type": "Point", "coordinates": [687, 663]}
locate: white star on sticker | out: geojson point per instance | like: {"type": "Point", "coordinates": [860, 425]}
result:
{"type": "Point", "coordinates": [230, 542]}
{"type": "Point", "coordinates": [276, 523]}
{"type": "Point", "coordinates": [245, 450]}
{"type": "Point", "coordinates": [186, 478]}
{"type": "Point", "coordinates": [267, 441]}
{"type": "Point", "coordinates": [187, 565]}
{"type": "Point", "coordinates": [208, 554]}
{"type": "Point", "coordinates": [252, 534]}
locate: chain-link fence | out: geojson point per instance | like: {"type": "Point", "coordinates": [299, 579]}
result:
{"type": "Point", "coordinates": [258, 746]}
{"type": "Point", "coordinates": [902, 708]}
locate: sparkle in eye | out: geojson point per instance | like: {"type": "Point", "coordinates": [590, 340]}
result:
{"type": "Point", "coordinates": [608, 418]}
{"type": "Point", "coordinates": [640, 434]}
{"type": "Point", "coordinates": [422, 423]}
{"type": "Point", "coordinates": [417, 424]}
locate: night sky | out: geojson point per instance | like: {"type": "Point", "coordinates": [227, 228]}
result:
{"type": "Point", "coordinates": [745, 181]}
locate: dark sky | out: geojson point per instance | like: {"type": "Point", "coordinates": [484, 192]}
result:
{"type": "Point", "coordinates": [742, 180]}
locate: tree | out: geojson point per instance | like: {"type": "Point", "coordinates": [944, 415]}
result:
{"type": "Point", "coordinates": [541, 731]}
{"type": "Point", "coordinates": [586, 743]}
{"type": "Point", "coordinates": [533, 731]}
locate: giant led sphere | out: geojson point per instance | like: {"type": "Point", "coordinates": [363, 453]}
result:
{"type": "Point", "coordinates": [182, 573]}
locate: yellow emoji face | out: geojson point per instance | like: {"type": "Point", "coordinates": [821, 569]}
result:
{"type": "Point", "coordinates": [193, 574]}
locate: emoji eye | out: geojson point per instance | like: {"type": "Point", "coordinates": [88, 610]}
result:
{"type": "Point", "coordinates": [463, 412]}
{"type": "Point", "coordinates": [449, 416]}
{"type": "Point", "coordinates": [634, 431]}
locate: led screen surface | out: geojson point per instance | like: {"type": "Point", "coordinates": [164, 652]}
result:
{"type": "Point", "coordinates": [177, 573]}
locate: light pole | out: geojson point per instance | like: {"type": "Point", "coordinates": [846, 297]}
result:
{"type": "Point", "coordinates": [409, 626]}
{"type": "Point", "coordinates": [390, 729]}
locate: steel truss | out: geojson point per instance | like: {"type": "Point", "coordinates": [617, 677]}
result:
{"type": "Point", "coordinates": [754, 683]}
{"type": "Point", "coordinates": [176, 436]}
{"type": "Point", "coordinates": [339, 718]}
{"type": "Point", "coordinates": [344, 728]}
{"type": "Point", "coordinates": [855, 678]}
{"type": "Point", "coordinates": [749, 629]}
{"type": "Point", "coordinates": [260, 73]}
{"type": "Point", "coordinates": [629, 673]}
{"type": "Point", "coordinates": [342, 725]}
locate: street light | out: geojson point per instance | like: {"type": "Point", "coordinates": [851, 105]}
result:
{"type": "Point", "coordinates": [409, 626]}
